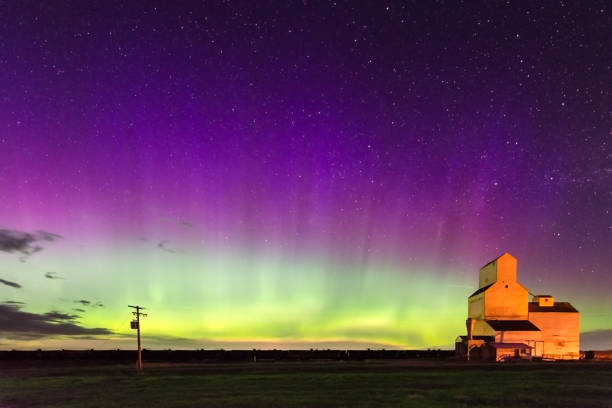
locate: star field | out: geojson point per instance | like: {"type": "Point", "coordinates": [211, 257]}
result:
{"type": "Point", "coordinates": [300, 173]}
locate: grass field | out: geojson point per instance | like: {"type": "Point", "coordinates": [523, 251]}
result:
{"type": "Point", "coordinates": [312, 384]}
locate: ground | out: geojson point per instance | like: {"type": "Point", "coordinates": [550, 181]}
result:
{"type": "Point", "coordinates": [405, 383]}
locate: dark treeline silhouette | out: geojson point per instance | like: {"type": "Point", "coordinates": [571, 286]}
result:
{"type": "Point", "coordinates": [203, 356]}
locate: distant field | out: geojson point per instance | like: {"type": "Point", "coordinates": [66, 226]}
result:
{"type": "Point", "coordinates": [312, 384]}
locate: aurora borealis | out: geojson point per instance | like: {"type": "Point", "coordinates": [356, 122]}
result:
{"type": "Point", "coordinates": [297, 174]}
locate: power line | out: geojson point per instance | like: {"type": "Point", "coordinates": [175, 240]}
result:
{"type": "Point", "coordinates": [135, 324]}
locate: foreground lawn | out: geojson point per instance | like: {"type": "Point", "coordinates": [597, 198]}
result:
{"type": "Point", "coordinates": [312, 384]}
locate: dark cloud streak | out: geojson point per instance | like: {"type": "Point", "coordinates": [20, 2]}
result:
{"type": "Point", "coordinates": [596, 340]}
{"type": "Point", "coordinates": [15, 323]}
{"type": "Point", "coordinates": [11, 284]}
{"type": "Point", "coordinates": [56, 316]}
{"type": "Point", "coordinates": [162, 246]}
{"type": "Point", "coordinates": [25, 243]}
{"type": "Point", "coordinates": [89, 303]}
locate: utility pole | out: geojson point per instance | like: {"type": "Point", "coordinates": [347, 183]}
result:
{"type": "Point", "coordinates": [135, 324]}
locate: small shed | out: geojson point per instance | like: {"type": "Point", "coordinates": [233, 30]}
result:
{"type": "Point", "coordinates": [506, 351]}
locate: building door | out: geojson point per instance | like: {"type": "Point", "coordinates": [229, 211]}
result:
{"type": "Point", "coordinates": [539, 349]}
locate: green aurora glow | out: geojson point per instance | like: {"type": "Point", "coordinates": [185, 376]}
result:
{"type": "Point", "coordinates": [231, 299]}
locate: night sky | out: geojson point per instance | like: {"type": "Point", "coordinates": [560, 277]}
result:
{"type": "Point", "coordinates": [298, 174]}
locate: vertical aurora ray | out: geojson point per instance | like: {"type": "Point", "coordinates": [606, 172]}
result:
{"type": "Point", "coordinates": [216, 298]}
{"type": "Point", "coordinates": [208, 299]}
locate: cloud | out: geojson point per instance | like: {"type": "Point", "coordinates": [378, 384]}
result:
{"type": "Point", "coordinates": [52, 275]}
{"type": "Point", "coordinates": [596, 340]}
{"type": "Point", "coordinates": [186, 224]}
{"type": "Point", "coordinates": [17, 324]}
{"type": "Point", "coordinates": [177, 221]}
{"type": "Point", "coordinates": [16, 241]}
{"type": "Point", "coordinates": [11, 284]}
{"type": "Point", "coordinates": [86, 302]}
{"type": "Point", "coordinates": [25, 243]}
{"type": "Point", "coordinates": [76, 309]}
{"type": "Point", "coordinates": [162, 245]}
{"type": "Point", "coordinates": [13, 302]}
{"type": "Point", "coordinates": [56, 316]}
{"type": "Point", "coordinates": [47, 236]}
